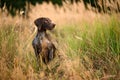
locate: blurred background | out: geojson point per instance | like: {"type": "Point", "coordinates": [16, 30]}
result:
{"type": "Point", "coordinates": [87, 38]}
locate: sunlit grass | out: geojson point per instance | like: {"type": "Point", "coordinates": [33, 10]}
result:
{"type": "Point", "coordinates": [86, 51]}
{"type": "Point", "coordinates": [7, 50]}
{"type": "Point", "coordinates": [88, 45]}
{"type": "Point", "coordinates": [97, 46]}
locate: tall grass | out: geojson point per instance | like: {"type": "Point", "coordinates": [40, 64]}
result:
{"type": "Point", "coordinates": [7, 50]}
{"type": "Point", "coordinates": [88, 45]}
{"type": "Point", "coordinates": [86, 51]}
{"type": "Point", "coordinates": [98, 47]}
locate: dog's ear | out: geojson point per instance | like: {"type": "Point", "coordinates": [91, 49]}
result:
{"type": "Point", "coordinates": [38, 23]}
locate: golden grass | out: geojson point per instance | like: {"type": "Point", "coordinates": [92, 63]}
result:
{"type": "Point", "coordinates": [18, 62]}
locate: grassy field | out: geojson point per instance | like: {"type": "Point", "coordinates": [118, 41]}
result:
{"type": "Point", "coordinates": [87, 49]}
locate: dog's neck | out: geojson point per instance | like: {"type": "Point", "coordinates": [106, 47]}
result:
{"type": "Point", "coordinates": [41, 33]}
{"type": "Point", "coordinates": [41, 36]}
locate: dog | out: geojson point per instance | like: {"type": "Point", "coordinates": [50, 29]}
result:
{"type": "Point", "coordinates": [43, 47]}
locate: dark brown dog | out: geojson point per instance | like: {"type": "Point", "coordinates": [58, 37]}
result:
{"type": "Point", "coordinates": [42, 44]}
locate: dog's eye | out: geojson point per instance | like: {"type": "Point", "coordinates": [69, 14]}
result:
{"type": "Point", "coordinates": [46, 21]}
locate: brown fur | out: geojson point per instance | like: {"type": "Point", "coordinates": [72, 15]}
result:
{"type": "Point", "coordinates": [42, 44]}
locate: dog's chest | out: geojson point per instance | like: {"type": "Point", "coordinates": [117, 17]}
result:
{"type": "Point", "coordinates": [44, 40]}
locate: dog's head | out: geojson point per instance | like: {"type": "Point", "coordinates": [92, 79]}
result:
{"type": "Point", "coordinates": [44, 24]}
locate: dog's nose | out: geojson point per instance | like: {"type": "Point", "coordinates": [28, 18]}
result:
{"type": "Point", "coordinates": [54, 24]}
